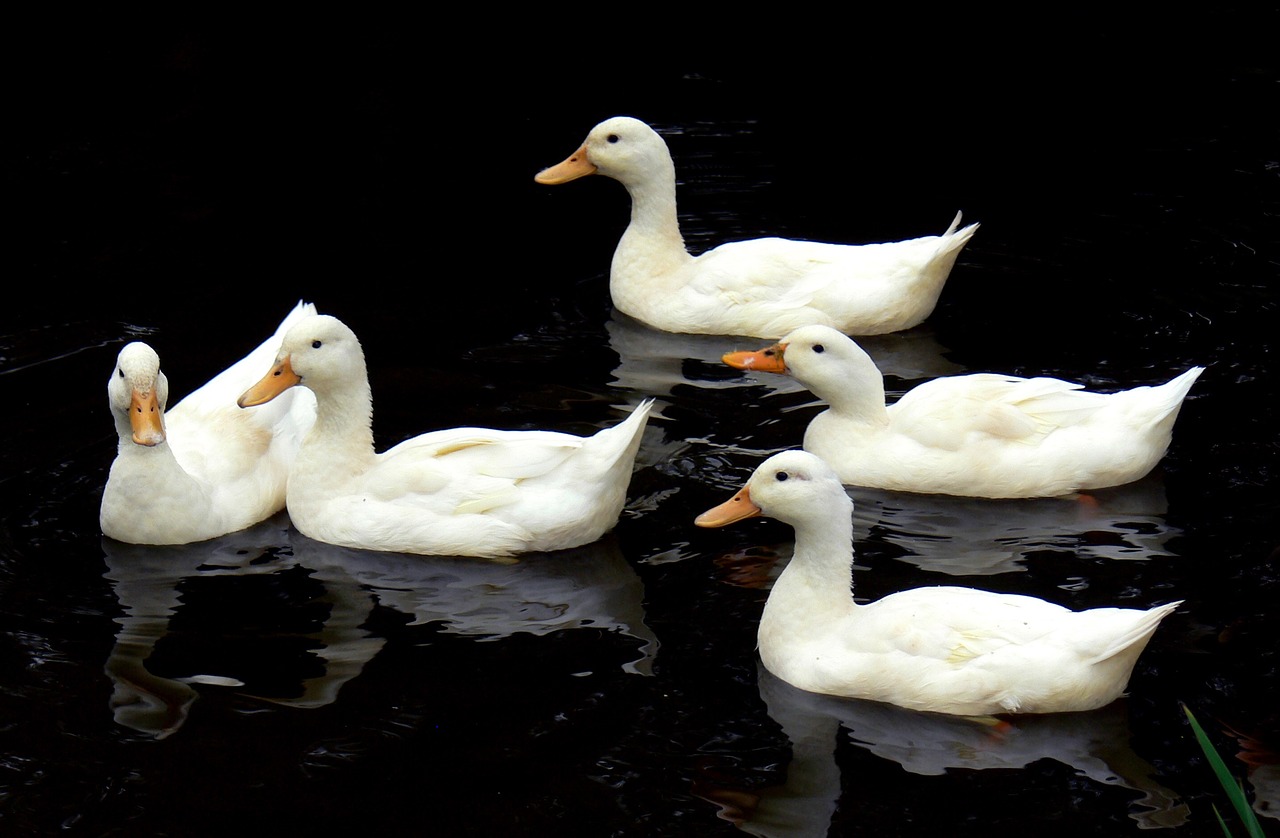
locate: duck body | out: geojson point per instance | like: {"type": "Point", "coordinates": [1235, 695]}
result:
{"type": "Point", "coordinates": [204, 468]}
{"type": "Point", "coordinates": [760, 287]}
{"type": "Point", "coordinates": [942, 649]}
{"type": "Point", "coordinates": [978, 435]}
{"type": "Point", "coordinates": [462, 491]}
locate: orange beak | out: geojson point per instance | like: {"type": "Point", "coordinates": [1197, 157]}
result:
{"type": "Point", "coordinates": [766, 360]}
{"type": "Point", "coordinates": [280, 378]}
{"type": "Point", "coordinates": [577, 165]}
{"type": "Point", "coordinates": [146, 419]}
{"type": "Point", "coordinates": [737, 508]}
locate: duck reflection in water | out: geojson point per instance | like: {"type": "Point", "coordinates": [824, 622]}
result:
{"type": "Point", "coordinates": [148, 583]}
{"type": "Point", "coordinates": [1095, 744]}
{"type": "Point", "coordinates": [652, 362]}
{"type": "Point", "coordinates": [977, 537]}
{"type": "Point", "coordinates": [323, 597]}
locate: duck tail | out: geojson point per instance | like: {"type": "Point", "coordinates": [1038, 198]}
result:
{"type": "Point", "coordinates": [1165, 400]}
{"type": "Point", "coordinates": [225, 387]}
{"type": "Point", "coordinates": [1139, 632]}
{"type": "Point", "coordinates": [609, 465]}
{"type": "Point", "coordinates": [1180, 386]}
{"type": "Point", "coordinates": [302, 309]}
{"type": "Point", "coordinates": [956, 236]}
{"type": "Point", "coordinates": [624, 438]}
{"type": "Point", "coordinates": [955, 223]}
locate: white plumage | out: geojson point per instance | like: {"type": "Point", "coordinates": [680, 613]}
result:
{"type": "Point", "coordinates": [204, 468]}
{"type": "Point", "coordinates": [760, 287]}
{"type": "Point", "coordinates": [980, 435]}
{"type": "Point", "coordinates": [462, 491]}
{"type": "Point", "coordinates": [945, 649]}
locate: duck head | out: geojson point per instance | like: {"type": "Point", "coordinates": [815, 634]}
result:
{"type": "Point", "coordinates": [623, 148]}
{"type": "Point", "coordinates": [138, 393]}
{"type": "Point", "coordinates": [319, 352]}
{"type": "Point", "coordinates": [794, 487]}
{"type": "Point", "coordinates": [821, 358]}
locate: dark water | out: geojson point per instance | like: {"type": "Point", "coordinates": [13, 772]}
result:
{"type": "Point", "coordinates": [187, 190]}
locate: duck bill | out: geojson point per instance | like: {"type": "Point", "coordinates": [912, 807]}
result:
{"type": "Point", "coordinates": [765, 360]}
{"type": "Point", "coordinates": [577, 165]}
{"type": "Point", "coordinates": [146, 418]}
{"type": "Point", "coordinates": [280, 378]}
{"type": "Point", "coordinates": [737, 508]}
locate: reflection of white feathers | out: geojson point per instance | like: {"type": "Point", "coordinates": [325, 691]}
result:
{"type": "Point", "coordinates": [977, 536]}
{"type": "Point", "coordinates": [1265, 782]}
{"type": "Point", "coordinates": [1262, 764]}
{"type": "Point", "coordinates": [592, 588]}
{"type": "Point", "coordinates": [654, 362]}
{"type": "Point", "coordinates": [1094, 744]}
{"type": "Point", "coordinates": [145, 582]}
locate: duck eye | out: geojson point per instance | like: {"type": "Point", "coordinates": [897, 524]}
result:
{"type": "Point", "coordinates": [819, 348]}
{"type": "Point", "coordinates": [613, 138]}
{"type": "Point", "coordinates": [120, 373]}
{"type": "Point", "coordinates": [782, 475]}
{"type": "Point", "coordinates": [315, 344]}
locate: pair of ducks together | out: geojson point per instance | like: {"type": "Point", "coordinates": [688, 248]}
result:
{"type": "Point", "coordinates": [246, 445]}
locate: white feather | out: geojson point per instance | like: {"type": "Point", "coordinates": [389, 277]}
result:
{"type": "Point", "coordinates": [944, 649]}
{"type": "Point", "coordinates": [761, 287]}
{"type": "Point", "coordinates": [979, 435]}
{"type": "Point", "coordinates": [462, 491]}
{"type": "Point", "coordinates": [217, 469]}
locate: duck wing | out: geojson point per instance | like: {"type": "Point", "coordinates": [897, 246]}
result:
{"type": "Point", "coordinates": [948, 413]}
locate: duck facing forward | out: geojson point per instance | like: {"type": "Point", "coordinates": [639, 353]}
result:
{"type": "Point", "coordinates": [760, 287]}
{"type": "Point", "coordinates": [204, 468]}
{"type": "Point", "coordinates": [952, 650]}
{"type": "Point", "coordinates": [458, 492]}
{"type": "Point", "coordinates": [977, 435]}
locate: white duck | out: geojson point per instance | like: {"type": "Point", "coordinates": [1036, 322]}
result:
{"type": "Point", "coordinates": [761, 287]}
{"type": "Point", "coordinates": [978, 435]}
{"type": "Point", "coordinates": [203, 468]}
{"type": "Point", "coordinates": [462, 492]}
{"type": "Point", "coordinates": [944, 649]}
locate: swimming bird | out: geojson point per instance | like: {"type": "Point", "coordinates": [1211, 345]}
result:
{"type": "Point", "coordinates": [461, 491]}
{"type": "Point", "coordinates": [944, 649]}
{"type": "Point", "coordinates": [762, 287]}
{"type": "Point", "coordinates": [203, 468]}
{"type": "Point", "coordinates": [978, 435]}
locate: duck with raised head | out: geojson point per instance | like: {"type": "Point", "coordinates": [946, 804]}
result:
{"type": "Point", "coordinates": [942, 649]}
{"type": "Point", "coordinates": [762, 287]}
{"type": "Point", "coordinates": [203, 468]}
{"type": "Point", "coordinates": [976, 435]}
{"type": "Point", "coordinates": [459, 492]}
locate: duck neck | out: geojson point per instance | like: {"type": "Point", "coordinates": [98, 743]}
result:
{"type": "Point", "coordinates": [343, 428]}
{"type": "Point", "coordinates": [816, 586]}
{"type": "Point", "coordinates": [157, 464]}
{"type": "Point", "coordinates": [859, 397]}
{"type": "Point", "coordinates": [652, 242]}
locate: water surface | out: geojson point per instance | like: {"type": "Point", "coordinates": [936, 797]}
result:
{"type": "Point", "coordinates": [266, 683]}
